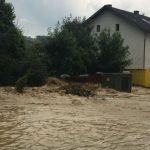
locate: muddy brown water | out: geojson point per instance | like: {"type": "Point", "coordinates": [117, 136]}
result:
{"type": "Point", "coordinates": [51, 121]}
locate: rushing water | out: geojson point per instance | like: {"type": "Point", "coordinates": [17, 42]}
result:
{"type": "Point", "coordinates": [26, 125]}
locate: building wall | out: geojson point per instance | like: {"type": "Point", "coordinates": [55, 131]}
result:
{"type": "Point", "coordinates": [141, 77]}
{"type": "Point", "coordinates": [132, 35]}
{"type": "Point", "coordinates": [138, 77]}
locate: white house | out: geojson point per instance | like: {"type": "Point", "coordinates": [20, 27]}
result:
{"type": "Point", "coordinates": [135, 29]}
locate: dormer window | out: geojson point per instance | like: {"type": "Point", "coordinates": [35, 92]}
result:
{"type": "Point", "coordinates": [117, 27]}
{"type": "Point", "coordinates": [98, 28]}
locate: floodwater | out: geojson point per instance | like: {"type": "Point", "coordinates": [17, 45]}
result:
{"type": "Point", "coordinates": [41, 120]}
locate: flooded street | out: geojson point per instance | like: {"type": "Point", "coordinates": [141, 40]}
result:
{"type": "Point", "coordinates": [44, 120]}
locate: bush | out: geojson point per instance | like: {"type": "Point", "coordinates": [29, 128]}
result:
{"type": "Point", "coordinates": [21, 83]}
{"type": "Point", "coordinates": [36, 74]}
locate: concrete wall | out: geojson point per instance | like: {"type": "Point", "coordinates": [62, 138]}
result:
{"type": "Point", "coordinates": [133, 36]}
{"type": "Point", "coordinates": [147, 52]}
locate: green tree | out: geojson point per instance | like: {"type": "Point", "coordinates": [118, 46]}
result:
{"type": "Point", "coordinates": [80, 30]}
{"type": "Point", "coordinates": [11, 45]}
{"type": "Point", "coordinates": [112, 55]}
{"type": "Point", "coordinates": [35, 69]}
{"type": "Point", "coordinates": [70, 47]}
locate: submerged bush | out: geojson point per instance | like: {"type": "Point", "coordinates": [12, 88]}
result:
{"type": "Point", "coordinates": [21, 83]}
{"type": "Point", "coordinates": [37, 74]}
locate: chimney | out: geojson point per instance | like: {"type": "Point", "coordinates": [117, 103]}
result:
{"type": "Point", "coordinates": [108, 5]}
{"type": "Point", "coordinates": [136, 12]}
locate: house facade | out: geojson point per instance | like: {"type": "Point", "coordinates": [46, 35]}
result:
{"type": "Point", "coordinates": [135, 30]}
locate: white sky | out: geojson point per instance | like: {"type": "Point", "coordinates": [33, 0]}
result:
{"type": "Point", "coordinates": [35, 16]}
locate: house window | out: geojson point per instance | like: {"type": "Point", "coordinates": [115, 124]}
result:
{"type": "Point", "coordinates": [117, 27]}
{"type": "Point", "coordinates": [98, 28]}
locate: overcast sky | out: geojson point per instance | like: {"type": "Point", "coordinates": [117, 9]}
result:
{"type": "Point", "coordinates": [35, 16]}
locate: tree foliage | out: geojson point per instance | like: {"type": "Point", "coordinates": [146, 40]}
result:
{"type": "Point", "coordinates": [70, 48]}
{"type": "Point", "coordinates": [112, 55]}
{"type": "Point", "coordinates": [11, 45]}
{"type": "Point", "coordinates": [20, 58]}
{"type": "Point", "coordinates": [21, 83]}
{"type": "Point", "coordinates": [36, 69]}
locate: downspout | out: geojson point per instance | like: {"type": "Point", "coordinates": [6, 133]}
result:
{"type": "Point", "coordinates": [144, 51]}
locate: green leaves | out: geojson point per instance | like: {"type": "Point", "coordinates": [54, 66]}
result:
{"type": "Point", "coordinates": [113, 55]}
{"type": "Point", "coordinates": [70, 47]}
{"type": "Point", "coordinates": [7, 15]}
{"type": "Point", "coordinates": [11, 45]}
